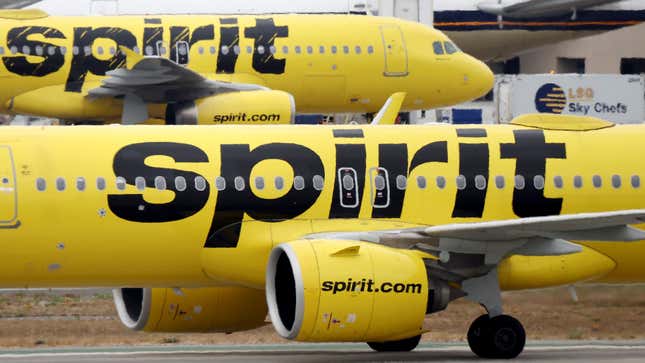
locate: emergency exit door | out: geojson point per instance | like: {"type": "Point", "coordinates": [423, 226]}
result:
{"type": "Point", "coordinates": [8, 196]}
{"type": "Point", "coordinates": [396, 54]}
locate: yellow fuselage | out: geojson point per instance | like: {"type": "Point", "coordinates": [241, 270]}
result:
{"type": "Point", "coordinates": [329, 63]}
{"type": "Point", "coordinates": [198, 206]}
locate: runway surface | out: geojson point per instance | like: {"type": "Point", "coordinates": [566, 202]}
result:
{"type": "Point", "coordinates": [578, 351]}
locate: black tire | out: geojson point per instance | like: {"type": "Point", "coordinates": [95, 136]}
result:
{"type": "Point", "coordinates": [478, 333]}
{"type": "Point", "coordinates": [403, 345]}
{"type": "Point", "coordinates": [507, 337]}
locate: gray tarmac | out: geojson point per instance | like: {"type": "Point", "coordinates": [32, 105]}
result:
{"type": "Point", "coordinates": [577, 351]}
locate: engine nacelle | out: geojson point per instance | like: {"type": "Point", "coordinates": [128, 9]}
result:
{"type": "Point", "coordinates": [325, 290]}
{"type": "Point", "coordinates": [215, 309]}
{"type": "Point", "coordinates": [268, 107]}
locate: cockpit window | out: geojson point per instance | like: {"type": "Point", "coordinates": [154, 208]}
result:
{"type": "Point", "coordinates": [451, 48]}
{"type": "Point", "coordinates": [438, 48]}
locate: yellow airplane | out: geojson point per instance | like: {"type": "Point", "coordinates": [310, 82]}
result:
{"type": "Point", "coordinates": [343, 233]}
{"type": "Point", "coordinates": [247, 69]}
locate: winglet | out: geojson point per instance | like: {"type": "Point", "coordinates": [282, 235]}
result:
{"type": "Point", "coordinates": [346, 252]}
{"type": "Point", "coordinates": [131, 58]}
{"type": "Point", "coordinates": [387, 115]}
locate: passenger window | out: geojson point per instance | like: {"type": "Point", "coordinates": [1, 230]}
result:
{"type": "Point", "coordinates": [201, 50]}
{"type": "Point", "coordinates": [401, 182]}
{"type": "Point", "coordinates": [220, 183]}
{"type": "Point", "coordinates": [236, 49]}
{"type": "Point", "coordinates": [100, 183]}
{"type": "Point", "coordinates": [213, 50]}
{"type": "Point", "coordinates": [140, 183]}
{"type": "Point", "coordinates": [500, 183]}
{"type": "Point", "coordinates": [80, 184]}
{"type": "Point", "coordinates": [441, 182]}
{"type": "Point", "coordinates": [334, 49]}
{"type": "Point", "coordinates": [520, 183]}
{"type": "Point", "coordinates": [279, 182]}
{"type": "Point", "coordinates": [319, 182]}
{"type": "Point", "coordinates": [345, 49]}
{"type": "Point", "coordinates": [370, 49]}
{"type": "Point", "coordinates": [272, 49]}
{"type": "Point", "coordinates": [260, 49]}
{"type": "Point", "coordinates": [149, 50]}
{"type": "Point", "coordinates": [558, 182]}
{"type": "Point", "coordinates": [636, 181]}
{"type": "Point", "coordinates": [39, 50]}
{"type": "Point", "coordinates": [99, 50]}
{"type": "Point", "coordinates": [616, 181]}
{"type": "Point", "coordinates": [13, 49]}
{"type": "Point", "coordinates": [249, 49]}
{"type": "Point", "coordinates": [120, 183]}
{"type": "Point", "coordinates": [26, 50]}
{"type": "Point", "coordinates": [285, 49]}
{"type": "Point", "coordinates": [348, 182]}
{"type": "Point", "coordinates": [160, 183]}
{"type": "Point", "coordinates": [298, 49]}
{"type": "Point", "coordinates": [41, 184]}
{"type": "Point", "coordinates": [112, 50]}
{"type": "Point", "coordinates": [239, 183]}
{"type": "Point", "coordinates": [321, 49]}
{"type": "Point", "coordinates": [2, 50]}
{"type": "Point", "coordinates": [60, 184]}
{"type": "Point", "coordinates": [461, 182]}
{"type": "Point", "coordinates": [538, 182]}
{"type": "Point", "coordinates": [422, 182]}
{"type": "Point", "coordinates": [577, 181]}
{"type": "Point", "coordinates": [379, 182]}
{"type": "Point", "coordinates": [200, 184]}
{"type": "Point", "coordinates": [138, 51]}
{"type": "Point", "coordinates": [87, 50]}
{"type": "Point", "coordinates": [180, 183]}
{"type": "Point", "coordinates": [52, 50]}
{"type": "Point", "coordinates": [438, 48]}
{"type": "Point", "coordinates": [450, 48]}
{"type": "Point", "coordinates": [310, 49]}
{"type": "Point", "coordinates": [299, 183]}
{"type": "Point", "coordinates": [358, 49]}
{"type": "Point", "coordinates": [480, 182]}
{"type": "Point", "coordinates": [259, 183]}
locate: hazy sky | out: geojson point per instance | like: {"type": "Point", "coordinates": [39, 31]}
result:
{"type": "Point", "coordinates": [84, 7]}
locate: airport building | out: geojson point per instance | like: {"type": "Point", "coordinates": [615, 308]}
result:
{"type": "Point", "coordinates": [616, 52]}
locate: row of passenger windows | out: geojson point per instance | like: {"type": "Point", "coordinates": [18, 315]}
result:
{"type": "Point", "coordinates": [183, 49]}
{"type": "Point", "coordinates": [348, 181]}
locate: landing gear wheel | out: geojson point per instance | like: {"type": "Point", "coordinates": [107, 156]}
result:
{"type": "Point", "coordinates": [501, 337]}
{"type": "Point", "coordinates": [403, 345]}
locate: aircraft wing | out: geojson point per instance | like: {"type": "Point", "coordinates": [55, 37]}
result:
{"type": "Point", "coordinates": [16, 4]}
{"type": "Point", "coordinates": [537, 8]}
{"type": "Point", "coordinates": [159, 80]}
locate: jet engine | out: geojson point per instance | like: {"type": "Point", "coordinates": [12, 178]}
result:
{"type": "Point", "coordinates": [215, 309]}
{"type": "Point", "coordinates": [328, 290]}
{"type": "Point", "coordinates": [235, 108]}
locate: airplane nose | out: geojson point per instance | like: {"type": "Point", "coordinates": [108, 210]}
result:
{"type": "Point", "coordinates": [478, 78]}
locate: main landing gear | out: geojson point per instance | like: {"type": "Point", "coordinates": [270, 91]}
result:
{"type": "Point", "coordinates": [403, 345]}
{"type": "Point", "coordinates": [500, 337]}
{"type": "Point", "coordinates": [493, 335]}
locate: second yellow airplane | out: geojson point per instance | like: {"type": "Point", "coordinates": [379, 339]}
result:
{"type": "Point", "coordinates": [225, 69]}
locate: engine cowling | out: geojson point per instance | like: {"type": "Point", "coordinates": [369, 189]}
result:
{"type": "Point", "coordinates": [264, 107]}
{"type": "Point", "coordinates": [324, 290]}
{"type": "Point", "coordinates": [216, 309]}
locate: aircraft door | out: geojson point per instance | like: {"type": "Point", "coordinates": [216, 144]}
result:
{"type": "Point", "coordinates": [396, 54]}
{"type": "Point", "coordinates": [380, 187]}
{"type": "Point", "coordinates": [8, 193]}
{"type": "Point", "coordinates": [182, 49]}
{"type": "Point", "coordinates": [348, 180]}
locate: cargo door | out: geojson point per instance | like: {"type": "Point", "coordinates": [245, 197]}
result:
{"type": "Point", "coordinates": [8, 195]}
{"type": "Point", "coordinates": [396, 54]}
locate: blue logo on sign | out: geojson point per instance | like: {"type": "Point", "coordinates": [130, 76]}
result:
{"type": "Point", "coordinates": [550, 98]}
